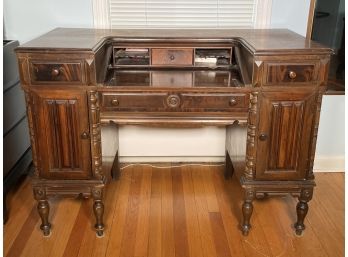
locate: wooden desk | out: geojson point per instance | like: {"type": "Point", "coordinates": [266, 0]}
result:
{"type": "Point", "coordinates": [265, 86]}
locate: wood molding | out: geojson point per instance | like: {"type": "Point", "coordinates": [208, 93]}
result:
{"type": "Point", "coordinates": [101, 18]}
{"type": "Point", "coordinates": [310, 19]}
{"type": "Point", "coordinates": [263, 13]}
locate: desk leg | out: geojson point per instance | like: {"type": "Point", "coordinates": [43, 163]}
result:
{"type": "Point", "coordinates": [98, 209]}
{"type": "Point", "coordinates": [247, 209]}
{"type": "Point", "coordinates": [43, 208]}
{"type": "Point", "coordinates": [302, 209]}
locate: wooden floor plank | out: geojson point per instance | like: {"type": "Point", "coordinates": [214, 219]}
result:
{"type": "Point", "coordinates": [155, 232]}
{"type": "Point", "coordinates": [184, 211]}
{"type": "Point", "coordinates": [180, 227]}
{"type": "Point", "coordinates": [193, 233]}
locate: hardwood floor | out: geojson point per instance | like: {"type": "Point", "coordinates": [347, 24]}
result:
{"type": "Point", "coordinates": [179, 211]}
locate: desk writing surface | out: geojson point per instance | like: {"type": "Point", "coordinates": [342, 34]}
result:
{"type": "Point", "coordinates": [261, 40]}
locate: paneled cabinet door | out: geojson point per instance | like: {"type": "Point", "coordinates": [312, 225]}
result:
{"type": "Point", "coordinates": [63, 134]}
{"type": "Point", "coordinates": [284, 134]}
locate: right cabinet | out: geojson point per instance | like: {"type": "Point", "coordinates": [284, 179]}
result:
{"type": "Point", "coordinates": [285, 127]}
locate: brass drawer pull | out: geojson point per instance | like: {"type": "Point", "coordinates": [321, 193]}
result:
{"type": "Point", "coordinates": [233, 101]}
{"type": "Point", "coordinates": [173, 101]}
{"type": "Point", "coordinates": [115, 102]}
{"type": "Point", "coordinates": [292, 74]}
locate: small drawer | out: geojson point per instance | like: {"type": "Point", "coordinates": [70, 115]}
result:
{"type": "Point", "coordinates": [168, 57]}
{"type": "Point", "coordinates": [214, 102]}
{"type": "Point", "coordinates": [129, 101]}
{"type": "Point", "coordinates": [290, 73]}
{"type": "Point", "coordinates": [43, 72]}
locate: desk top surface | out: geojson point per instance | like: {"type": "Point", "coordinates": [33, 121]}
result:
{"type": "Point", "coordinates": [257, 40]}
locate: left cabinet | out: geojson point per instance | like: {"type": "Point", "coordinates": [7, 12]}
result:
{"type": "Point", "coordinates": [60, 120]}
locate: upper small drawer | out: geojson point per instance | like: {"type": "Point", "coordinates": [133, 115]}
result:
{"type": "Point", "coordinates": [288, 73]}
{"type": "Point", "coordinates": [179, 56]}
{"type": "Point", "coordinates": [46, 72]}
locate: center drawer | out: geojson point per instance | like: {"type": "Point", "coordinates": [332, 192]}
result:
{"type": "Point", "coordinates": [173, 56]}
{"type": "Point", "coordinates": [176, 102]}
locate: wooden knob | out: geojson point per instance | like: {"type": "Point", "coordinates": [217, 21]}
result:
{"type": "Point", "coordinates": [233, 101]}
{"type": "Point", "coordinates": [263, 137]}
{"type": "Point", "coordinates": [55, 72]}
{"type": "Point", "coordinates": [292, 74]}
{"type": "Point", "coordinates": [172, 57]}
{"type": "Point", "coordinates": [85, 135]}
{"type": "Point", "coordinates": [115, 102]}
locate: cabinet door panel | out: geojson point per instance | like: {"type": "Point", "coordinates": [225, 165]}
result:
{"type": "Point", "coordinates": [284, 135]}
{"type": "Point", "coordinates": [63, 132]}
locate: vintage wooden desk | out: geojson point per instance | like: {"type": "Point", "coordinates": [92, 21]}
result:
{"type": "Point", "coordinates": [265, 86]}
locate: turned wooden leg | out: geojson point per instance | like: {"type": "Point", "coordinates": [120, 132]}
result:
{"type": "Point", "coordinates": [44, 209]}
{"type": "Point", "coordinates": [302, 209]}
{"type": "Point", "coordinates": [229, 170]}
{"type": "Point", "coordinates": [115, 170]}
{"type": "Point", "coordinates": [247, 210]}
{"type": "Point", "coordinates": [98, 209]}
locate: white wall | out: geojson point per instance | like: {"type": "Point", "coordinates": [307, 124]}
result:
{"type": "Point", "coordinates": [292, 15]}
{"type": "Point", "coordinates": [37, 17]}
{"type": "Point", "coordinates": [25, 20]}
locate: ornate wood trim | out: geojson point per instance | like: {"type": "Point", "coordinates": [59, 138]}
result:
{"type": "Point", "coordinates": [29, 103]}
{"type": "Point", "coordinates": [251, 133]}
{"type": "Point", "coordinates": [95, 135]}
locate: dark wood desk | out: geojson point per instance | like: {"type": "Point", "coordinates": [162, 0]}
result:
{"type": "Point", "coordinates": [265, 86]}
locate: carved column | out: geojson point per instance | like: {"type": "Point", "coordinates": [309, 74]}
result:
{"type": "Point", "coordinates": [43, 209]}
{"type": "Point", "coordinates": [247, 209]}
{"type": "Point", "coordinates": [98, 209]}
{"type": "Point", "coordinates": [96, 135]}
{"type": "Point", "coordinates": [302, 209]}
{"type": "Point", "coordinates": [251, 133]}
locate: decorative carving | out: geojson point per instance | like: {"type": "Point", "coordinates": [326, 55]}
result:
{"type": "Point", "coordinates": [251, 133]}
{"type": "Point", "coordinates": [31, 124]}
{"type": "Point", "coordinates": [173, 101]}
{"type": "Point", "coordinates": [96, 135]}
{"type": "Point", "coordinates": [39, 193]}
{"type": "Point", "coordinates": [315, 127]}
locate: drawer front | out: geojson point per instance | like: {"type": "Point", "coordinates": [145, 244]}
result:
{"type": "Point", "coordinates": [43, 72]}
{"type": "Point", "coordinates": [163, 56]}
{"type": "Point", "coordinates": [214, 102]}
{"type": "Point", "coordinates": [277, 73]}
{"type": "Point", "coordinates": [174, 102]}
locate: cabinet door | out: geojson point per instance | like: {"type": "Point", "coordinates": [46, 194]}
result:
{"type": "Point", "coordinates": [284, 134]}
{"type": "Point", "coordinates": [62, 134]}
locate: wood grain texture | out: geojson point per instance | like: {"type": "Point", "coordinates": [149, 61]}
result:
{"type": "Point", "coordinates": [165, 212]}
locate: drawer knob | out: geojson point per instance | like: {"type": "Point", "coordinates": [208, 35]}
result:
{"type": "Point", "coordinates": [292, 74]}
{"type": "Point", "coordinates": [115, 102]}
{"type": "Point", "coordinates": [85, 135]}
{"type": "Point", "coordinates": [233, 101]}
{"type": "Point", "coordinates": [263, 137]}
{"type": "Point", "coordinates": [55, 72]}
{"type": "Point", "coordinates": [173, 101]}
{"type": "Point", "coordinates": [172, 57]}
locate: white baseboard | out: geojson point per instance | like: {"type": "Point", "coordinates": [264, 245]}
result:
{"type": "Point", "coordinates": [329, 164]}
{"type": "Point", "coordinates": [321, 164]}
{"type": "Point", "coordinates": [147, 159]}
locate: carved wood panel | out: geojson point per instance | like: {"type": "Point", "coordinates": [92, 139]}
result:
{"type": "Point", "coordinates": [64, 141]}
{"type": "Point", "coordinates": [284, 135]}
